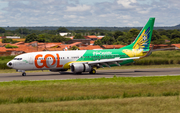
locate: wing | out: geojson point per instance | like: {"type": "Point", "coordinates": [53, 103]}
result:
{"type": "Point", "coordinates": [106, 62]}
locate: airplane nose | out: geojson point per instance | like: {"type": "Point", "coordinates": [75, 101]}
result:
{"type": "Point", "coordinates": [9, 64]}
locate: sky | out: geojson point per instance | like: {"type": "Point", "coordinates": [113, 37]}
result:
{"type": "Point", "coordinates": [89, 13]}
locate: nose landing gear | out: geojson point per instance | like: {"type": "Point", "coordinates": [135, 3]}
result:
{"type": "Point", "coordinates": [23, 74]}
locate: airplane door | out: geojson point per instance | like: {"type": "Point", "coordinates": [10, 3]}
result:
{"type": "Point", "coordinates": [30, 60]}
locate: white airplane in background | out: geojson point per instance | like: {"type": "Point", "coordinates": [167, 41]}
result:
{"type": "Point", "coordinates": [85, 60]}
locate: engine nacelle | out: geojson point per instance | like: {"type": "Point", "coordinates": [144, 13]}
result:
{"type": "Point", "coordinates": [77, 68]}
{"type": "Point", "coordinates": [57, 70]}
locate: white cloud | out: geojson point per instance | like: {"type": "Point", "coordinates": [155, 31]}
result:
{"type": "Point", "coordinates": [126, 3]}
{"type": "Point", "coordinates": [78, 8]}
{"type": "Point", "coordinates": [70, 16]}
{"type": "Point", "coordinates": [101, 13]}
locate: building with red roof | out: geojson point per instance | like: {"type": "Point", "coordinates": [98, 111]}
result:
{"type": "Point", "coordinates": [2, 49]}
{"type": "Point", "coordinates": [90, 47]}
{"type": "Point", "coordinates": [92, 42]}
{"type": "Point", "coordinates": [91, 37]}
{"type": "Point", "coordinates": [112, 46]}
{"type": "Point", "coordinates": [177, 46]}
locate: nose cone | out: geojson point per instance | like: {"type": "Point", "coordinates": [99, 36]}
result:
{"type": "Point", "coordinates": [10, 64]}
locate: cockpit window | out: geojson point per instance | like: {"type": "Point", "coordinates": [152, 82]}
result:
{"type": "Point", "coordinates": [17, 58]}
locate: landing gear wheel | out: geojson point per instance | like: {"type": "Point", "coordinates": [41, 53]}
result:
{"type": "Point", "coordinates": [23, 74]}
{"type": "Point", "coordinates": [93, 71]}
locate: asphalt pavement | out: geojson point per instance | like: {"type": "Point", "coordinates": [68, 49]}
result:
{"type": "Point", "coordinates": [99, 74]}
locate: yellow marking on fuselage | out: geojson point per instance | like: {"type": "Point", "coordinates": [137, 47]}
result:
{"type": "Point", "coordinates": [134, 52]}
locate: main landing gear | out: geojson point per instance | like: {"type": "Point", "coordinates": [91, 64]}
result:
{"type": "Point", "coordinates": [93, 71]}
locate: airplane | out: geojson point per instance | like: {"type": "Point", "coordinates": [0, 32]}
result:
{"type": "Point", "coordinates": [79, 61]}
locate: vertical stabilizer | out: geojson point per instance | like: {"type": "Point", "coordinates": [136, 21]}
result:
{"type": "Point", "coordinates": [143, 39]}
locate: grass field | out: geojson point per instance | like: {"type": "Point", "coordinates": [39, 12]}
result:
{"type": "Point", "coordinates": [20, 40]}
{"type": "Point", "coordinates": [117, 94]}
{"type": "Point", "coordinates": [127, 105]}
{"type": "Point", "coordinates": [161, 57]}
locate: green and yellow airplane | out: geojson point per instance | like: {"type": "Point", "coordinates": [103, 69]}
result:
{"type": "Point", "coordinates": [86, 60]}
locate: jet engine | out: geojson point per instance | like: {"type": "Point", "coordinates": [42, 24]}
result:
{"type": "Point", "coordinates": [78, 68]}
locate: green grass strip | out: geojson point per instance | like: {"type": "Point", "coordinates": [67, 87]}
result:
{"type": "Point", "coordinates": [88, 89]}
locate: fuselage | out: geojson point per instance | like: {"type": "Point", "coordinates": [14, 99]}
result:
{"type": "Point", "coordinates": [61, 59]}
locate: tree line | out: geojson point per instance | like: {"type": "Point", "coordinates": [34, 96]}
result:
{"type": "Point", "coordinates": [125, 37]}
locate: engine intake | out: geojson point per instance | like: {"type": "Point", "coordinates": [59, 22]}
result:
{"type": "Point", "coordinates": [77, 68]}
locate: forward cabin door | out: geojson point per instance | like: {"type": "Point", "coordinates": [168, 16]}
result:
{"type": "Point", "coordinates": [31, 60]}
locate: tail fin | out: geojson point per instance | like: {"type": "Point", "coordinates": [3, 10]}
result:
{"type": "Point", "coordinates": [143, 39]}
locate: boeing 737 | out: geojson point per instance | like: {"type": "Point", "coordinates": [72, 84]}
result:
{"type": "Point", "coordinates": [86, 60]}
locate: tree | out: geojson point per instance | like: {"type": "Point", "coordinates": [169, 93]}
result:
{"type": "Point", "coordinates": [22, 31]}
{"type": "Point", "coordinates": [117, 34]}
{"type": "Point", "coordinates": [127, 38]}
{"type": "Point", "coordinates": [57, 38]}
{"type": "Point", "coordinates": [7, 40]}
{"type": "Point", "coordinates": [108, 40]}
{"type": "Point", "coordinates": [62, 29]}
{"type": "Point", "coordinates": [74, 48]}
{"type": "Point", "coordinates": [78, 36]}
{"type": "Point", "coordinates": [30, 38]}
{"type": "Point", "coordinates": [41, 38]}
{"type": "Point", "coordinates": [175, 34]}
{"type": "Point", "coordinates": [155, 36]}
{"type": "Point", "coordinates": [165, 32]}
{"type": "Point", "coordinates": [134, 32]}
{"type": "Point", "coordinates": [159, 41]}
{"type": "Point", "coordinates": [2, 30]}
{"type": "Point", "coordinates": [175, 41]}
{"type": "Point", "coordinates": [98, 42]}
{"type": "Point", "coordinates": [10, 46]}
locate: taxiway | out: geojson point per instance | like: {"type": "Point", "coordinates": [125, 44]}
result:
{"type": "Point", "coordinates": [99, 74]}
